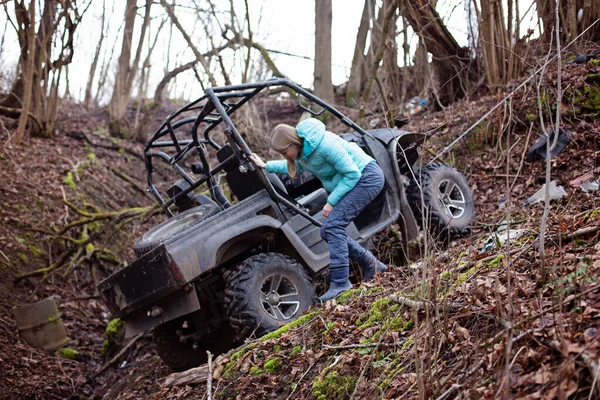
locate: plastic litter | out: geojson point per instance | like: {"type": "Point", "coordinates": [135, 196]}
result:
{"type": "Point", "coordinates": [415, 106]}
{"type": "Point", "coordinates": [581, 179]}
{"type": "Point", "coordinates": [590, 186]}
{"type": "Point", "coordinates": [537, 152]}
{"type": "Point", "coordinates": [585, 182]}
{"type": "Point", "coordinates": [499, 238]}
{"type": "Point", "coordinates": [556, 192]}
{"type": "Point", "coordinates": [583, 58]}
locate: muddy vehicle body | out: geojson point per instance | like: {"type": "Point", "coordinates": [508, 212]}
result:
{"type": "Point", "coordinates": [216, 272]}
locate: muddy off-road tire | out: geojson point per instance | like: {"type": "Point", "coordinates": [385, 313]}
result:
{"type": "Point", "coordinates": [181, 356]}
{"type": "Point", "coordinates": [448, 199]}
{"type": "Point", "coordinates": [265, 292]}
{"type": "Point", "coordinates": [173, 226]}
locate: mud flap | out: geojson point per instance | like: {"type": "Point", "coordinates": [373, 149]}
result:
{"type": "Point", "coordinates": [179, 304]}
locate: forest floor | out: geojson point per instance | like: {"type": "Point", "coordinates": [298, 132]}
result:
{"type": "Point", "coordinates": [479, 323]}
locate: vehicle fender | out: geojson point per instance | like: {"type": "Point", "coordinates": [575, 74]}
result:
{"type": "Point", "coordinates": [195, 255]}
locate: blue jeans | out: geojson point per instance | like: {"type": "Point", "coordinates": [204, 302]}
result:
{"type": "Point", "coordinates": [333, 231]}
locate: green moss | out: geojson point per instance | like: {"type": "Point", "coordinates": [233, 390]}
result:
{"type": "Point", "coordinates": [255, 371]}
{"type": "Point", "coordinates": [36, 251]}
{"type": "Point", "coordinates": [114, 326]}
{"type": "Point", "coordinates": [297, 349]}
{"type": "Point", "coordinates": [532, 117]}
{"type": "Point", "coordinates": [592, 98]}
{"type": "Point", "coordinates": [276, 348]}
{"type": "Point", "coordinates": [89, 249]}
{"type": "Point", "coordinates": [114, 330]}
{"type": "Point", "coordinates": [92, 226]}
{"type": "Point", "coordinates": [23, 257]}
{"type": "Point", "coordinates": [594, 63]}
{"type": "Point", "coordinates": [69, 354]}
{"type": "Point", "coordinates": [377, 313]}
{"type": "Point", "coordinates": [347, 295]}
{"type": "Point", "coordinates": [230, 368]}
{"type": "Point", "coordinates": [462, 278]}
{"type": "Point", "coordinates": [445, 275]}
{"type": "Point", "coordinates": [333, 386]}
{"type": "Point", "coordinates": [300, 321]}
{"type": "Point", "coordinates": [496, 262]}
{"type": "Point", "coordinates": [91, 156]}
{"type": "Point", "coordinates": [52, 319]}
{"type": "Point", "coordinates": [272, 365]}
{"type": "Point", "coordinates": [68, 181]}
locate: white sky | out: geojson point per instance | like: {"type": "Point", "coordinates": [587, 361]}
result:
{"type": "Point", "coordinates": [285, 25]}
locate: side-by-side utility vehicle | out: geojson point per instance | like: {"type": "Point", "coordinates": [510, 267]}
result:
{"type": "Point", "coordinates": [220, 270]}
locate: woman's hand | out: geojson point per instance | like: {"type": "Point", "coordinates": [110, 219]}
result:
{"type": "Point", "coordinates": [327, 210]}
{"type": "Point", "coordinates": [256, 159]}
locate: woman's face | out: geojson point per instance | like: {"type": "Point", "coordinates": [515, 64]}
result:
{"type": "Point", "coordinates": [291, 153]}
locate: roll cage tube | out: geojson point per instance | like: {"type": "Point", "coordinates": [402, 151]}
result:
{"type": "Point", "coordinates": [215, 107]}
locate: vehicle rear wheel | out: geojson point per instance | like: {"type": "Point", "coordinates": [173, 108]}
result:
{"type": "Point", "coordinates": [265, 292]}
{"type": "Point", "coordinates": [173, 226]}
{"type": "Point", "coordinates": [177, 346]}
{"type": "Point", "coordinates": [447, 199]}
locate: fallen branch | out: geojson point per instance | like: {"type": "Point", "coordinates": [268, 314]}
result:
{"type": "Point", "coordinates": [117, 356]}
{"type": "Point", "coordinates": [128, 179]}
{"type": "Point", "coordinates": [82, 136]}
{"type": "Point", "coordinates": [209, 382]}
{"type": "Point", "coordinates": [421, 305]}
{"type": "Point", "coordinates": [358, 346]}
{"type": "Point", "coordinates": [10, 110]}
{"type": "Point", "coordinates": [194, 375]}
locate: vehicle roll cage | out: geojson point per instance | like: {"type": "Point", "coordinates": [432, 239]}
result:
{"type": "Point", "coordinates": [215, 106]}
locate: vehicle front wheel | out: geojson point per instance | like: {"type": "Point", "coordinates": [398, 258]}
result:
{"type": "Point", "coordinates": [265, 292]}
{"type": "Point", "coordinates": [447, 205]}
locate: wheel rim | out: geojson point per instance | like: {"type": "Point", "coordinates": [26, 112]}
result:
{"type": "Point", "coordinates": [279, 297]}
{"type": "Point", "coordinates": [451, 198]}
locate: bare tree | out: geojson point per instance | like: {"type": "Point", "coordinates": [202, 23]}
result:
{"type": "Point", "coordinates": [452, 62]}
{"type": "Point", "coordinates": [88, 87]}
{"type": "Point", "coordinates": [126, 71]}
{"type": "Point", "coordinates": [44, 54]}
{"type": "Point", "coordinates": [201, 59]}
{"type": "Point", "coordinates": [355, 82]}
{"type": "Point", "coordinates": [322, 78]}
{"type": "Point", "coordinates": [26, 18]}
{"type": "Point", "coordinates": [570, 23]}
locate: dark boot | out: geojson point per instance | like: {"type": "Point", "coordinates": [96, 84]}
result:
{"type": "Point", "coordinates": [339, 282]}
{"type": "Point", "coordinates": [369, 272]}
{"type": "Point", "coordinates": [370, 265]}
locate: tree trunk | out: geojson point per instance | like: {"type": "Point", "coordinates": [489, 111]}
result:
{"type": "Point", "coordinates": [188, 39]}
{"type": "Point", "coordinates": [117, 109]}
{"type": "Point", "coordinates": [142, 130]}
{"type": "Point", "coordinates": [451, 60]}
{"type": "Point", "coordinates": [322, 76]}
{"type": "Point", "coordinates": [28, 63]}
{"type": "Point", "coordinates": [88, 88]}
{"type": "Point", "coordinates": [120, 97]}
{"type": "Point", "coordinates": [356, 83]}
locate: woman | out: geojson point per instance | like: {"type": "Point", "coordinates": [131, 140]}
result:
{"type": "Point", "coordinates": [351, 177]}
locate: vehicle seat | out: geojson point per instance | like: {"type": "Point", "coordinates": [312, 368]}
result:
{"type": "Point", "coordinates": [188, 201]}
{"type": "Point", "coordinates": [244, 185]}
{"type": "Point", "coordinates": [314, 201]}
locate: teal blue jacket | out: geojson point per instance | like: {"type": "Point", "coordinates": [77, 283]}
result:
{"type": "Point", "coordinates": [337, 163]}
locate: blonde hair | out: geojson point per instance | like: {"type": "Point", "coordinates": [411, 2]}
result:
{"type": "Point", "coordinates": [282, 137]}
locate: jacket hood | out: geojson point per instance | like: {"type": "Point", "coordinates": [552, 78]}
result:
{"type": "Point", "coordinates": [312, 131]}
